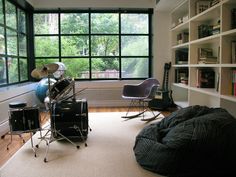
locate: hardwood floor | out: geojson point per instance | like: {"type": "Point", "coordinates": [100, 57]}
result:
{"type": "Point", "coordinates": [17, 142]}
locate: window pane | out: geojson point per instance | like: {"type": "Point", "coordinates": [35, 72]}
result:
{"type": "Point", "coordinates": [13, 70]}
{"type": "Point", "coordinates": [23, 69]}
{"type": "Point", "coordinates": [105, 68]}
{"type": "Point", "coordinates": [3, 70]}
{"type": "Point", "coordinates": [46, 46]}
{"type": "Point", "coordinates": [134, 67]}
{"type": "Point", "coordinates": [73, 23]}
{"type": "Point", "coordinates": [2, 41]}
{"type": "Point", "coordinates": [10, 15]}
{"type": "Point", "coordinates": [77, 68]}
{"type": "Point", "coordinates": [46, 23]}
{"type": "Point", "coordinates": [21, 21]}
{"type": "Point", "coordinates": [22, 45]}
{"type": "Point", "coordinates": [134, 23]}
{"type": "Point", "coordinates": [105, 45]}
{"type": "Point", "coordinates": [75, 45]}
{"type": "Point", "coordinates": [1, 13]}
{"type": "Point", "coordinates": [105, 23]}
{"type": "Point", "coordinates": [134, 46]}
{"type": "Point", "coordinates": [11, 42]}
{"type": "Point", "coordinates": [39, 63]}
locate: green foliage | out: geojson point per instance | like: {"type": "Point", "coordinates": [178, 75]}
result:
{"type": "Point", "coordinates": [73, 44]}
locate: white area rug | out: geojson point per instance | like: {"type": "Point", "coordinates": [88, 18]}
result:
{"type": "Point", "coordinates": [109, 153]}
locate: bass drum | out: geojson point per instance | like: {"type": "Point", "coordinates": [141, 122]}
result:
{"type": "Point", "coordinates": [61, 88]}
{"type": "Point", "coordinates": [24, 119]}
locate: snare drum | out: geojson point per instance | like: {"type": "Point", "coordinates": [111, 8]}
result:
{"type": "Point", "coordinates": [24, 119]}
{"type": "Point", "coordinates": [60, 88]}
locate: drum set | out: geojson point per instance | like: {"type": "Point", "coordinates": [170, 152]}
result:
{"type": "Point", "coordinates": [57, 92]}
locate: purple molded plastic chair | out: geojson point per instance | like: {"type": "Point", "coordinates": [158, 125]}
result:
{"type": "Point", "coordinates": [139, 95]}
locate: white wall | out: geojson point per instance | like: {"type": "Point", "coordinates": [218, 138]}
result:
{"type": "Point", "coordinates": [45, 4]}
{"type": "Point", "coordinates": [161, 43]}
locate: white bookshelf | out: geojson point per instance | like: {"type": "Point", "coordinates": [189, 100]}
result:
{"type": "Point", "coordinates": [220, 43]}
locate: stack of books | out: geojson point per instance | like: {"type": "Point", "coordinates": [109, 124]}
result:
{"type": "Point", "coordinates": [205, 56]}
{"type": "Point", "coordinates": [205, 78]}
{"type": "Point", "coordinates": [182, 37]}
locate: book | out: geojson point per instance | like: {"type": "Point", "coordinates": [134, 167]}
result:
{"type": "Point", "coordinates": [234, 82]}
{"type": "Point", "coordinates": [205, 78]}
{"type": "Point", "coordinates": [204, 30]}
{"type": "Point", "coordinates": [233, 52]}
{"type": "Point", "coordinates": [214, 2]}
{"type": "Point", "coordinates": [233, 18]}
{"type": "Point", "coordinates": [181, 76]}
{"type": "Point", "coordinates": [182, 37]}
{"type": "Point", "coordinates": [205, 56]}
{"type": "Point", "coordinates": [202, 6]}
{"type": "Point", "coordinates": [181, 56]}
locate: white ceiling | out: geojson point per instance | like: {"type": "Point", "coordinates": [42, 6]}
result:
{"type": "Point", "coordinates": [167, 5]}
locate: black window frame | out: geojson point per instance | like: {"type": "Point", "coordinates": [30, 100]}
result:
{"type": "Point", "coordinates": [149, 12]}
{"type": "Point", "coordinates": [27, 9]}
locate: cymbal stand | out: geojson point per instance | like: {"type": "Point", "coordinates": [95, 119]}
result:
{"type": "Point", "coordinates": [52, 130]}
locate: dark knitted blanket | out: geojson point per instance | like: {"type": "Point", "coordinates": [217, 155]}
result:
{"type": "Point", "coordinates": [194, 141]}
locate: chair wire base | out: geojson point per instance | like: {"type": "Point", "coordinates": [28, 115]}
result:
{"type": "Point", "coordinates": [143, 108]}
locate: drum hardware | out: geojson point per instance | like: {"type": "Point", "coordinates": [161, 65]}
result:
{"type": "Point", "coordinates": [54, 93]}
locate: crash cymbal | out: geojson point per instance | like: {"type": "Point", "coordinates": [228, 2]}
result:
{"type": "Point", "coordinates": [39, 73]}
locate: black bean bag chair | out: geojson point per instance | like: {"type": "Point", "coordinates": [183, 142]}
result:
{"type": "Point", "coordinates": [195, 141]}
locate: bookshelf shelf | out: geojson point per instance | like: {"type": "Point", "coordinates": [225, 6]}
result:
{"type": "Point", "coordinates": [180, 66]}
{"type": "Point", "coordinates": [219, 41]}
{"type": "Point", "coordinates": [207, 91]}
{"type": "Point", "coordinates": [229, 97]}
{"type": "Point", "coordinates": [181, 85]}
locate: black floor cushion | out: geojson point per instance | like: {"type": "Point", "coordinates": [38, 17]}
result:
{"type": "Point", "coordinates": [193, 141]}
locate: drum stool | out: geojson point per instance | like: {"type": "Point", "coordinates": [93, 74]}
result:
{"type": "Point", "coordinates": [15, 105]}
{"type": "Point", "coordinates": [23, 119]}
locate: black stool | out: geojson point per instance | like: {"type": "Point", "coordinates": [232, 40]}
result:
{"type": "Point", "coordinates": [14, 106]}
{"type": "Point", "coordinates": [23, 119]}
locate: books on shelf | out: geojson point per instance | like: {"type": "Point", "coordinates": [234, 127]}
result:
{"type": "Point", "coordinates": [214, 2]}
{"type": "Point", "coordinates": [182, 37]}
{"type": "Point", "coordinates": [204, 30]}
{"type": "Point", "coordinates": [205, 56]}
{"type": "Point", "coordinates": [233, 52]}
{"type": "Point", "coordinates": [234, 82]}
{"type": "Point", "coordinates": [233, 18]}
{"type": "Point", "coordinates": [205, 78]}
{"type": "Point", "coordinates": [181, 56]}
{"type": "Point", "coordinates": [202, 5]}
{"type": "Point", "coordinates": [181, 76]}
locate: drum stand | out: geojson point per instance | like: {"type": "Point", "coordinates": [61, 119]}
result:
{"type": "Point", "coordinates": [48, 137]}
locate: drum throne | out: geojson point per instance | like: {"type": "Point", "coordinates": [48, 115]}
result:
{"type": "Point", "coordinates": [23, 119]}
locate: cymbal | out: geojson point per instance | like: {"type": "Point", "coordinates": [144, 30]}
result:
{"type": "Point", "coordinates": [39, 73]}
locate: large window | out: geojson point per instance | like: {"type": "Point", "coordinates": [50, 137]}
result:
{"type": "Point", "coordinates": [95, 45]}
{"type": "Point", "coordinates": [13, 44]}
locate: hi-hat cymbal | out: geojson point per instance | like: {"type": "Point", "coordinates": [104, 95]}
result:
{"type": "Point", "coordinates": [39, 73]}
